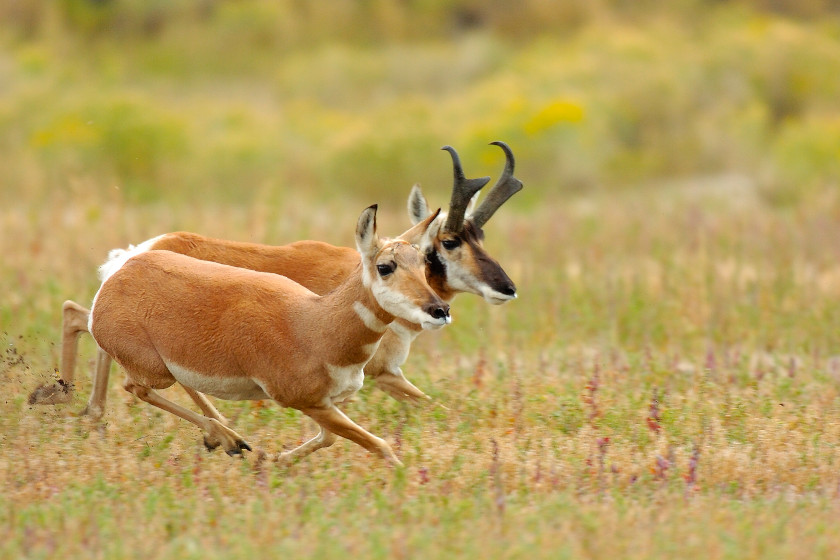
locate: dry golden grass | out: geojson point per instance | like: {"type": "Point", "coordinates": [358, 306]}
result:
{"type": "Point", "coordinates": [665, 386]}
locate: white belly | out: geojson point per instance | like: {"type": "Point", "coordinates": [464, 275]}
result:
{"type": "Point", "coordinates": [227, 388]}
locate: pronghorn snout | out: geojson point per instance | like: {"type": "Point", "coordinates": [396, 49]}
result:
{"type": "Point", "coordinates": [499, 289]}
{"type": "Point", "coordinates": [439, 311]}
{"type": "Point", "coordinates": [509, 290]}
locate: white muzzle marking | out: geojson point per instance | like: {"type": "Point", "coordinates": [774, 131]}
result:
{"type": "Point", "coordinates": [493, 297]}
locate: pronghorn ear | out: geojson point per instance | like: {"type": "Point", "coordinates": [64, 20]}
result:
{"type": "Point", "coordinates": [417, 233]}
{"type": "Point", "coordinates": [366, 239]}
{"type": "Point", "coordinates": [471, 206]}
{"type": "Point", "coordinates": [418, 208]}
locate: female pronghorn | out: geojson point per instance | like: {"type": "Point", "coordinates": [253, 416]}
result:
{"type": "Point", "coordinates": [238, 334]}
{"type": "Point", "coordinates": [456, 262]}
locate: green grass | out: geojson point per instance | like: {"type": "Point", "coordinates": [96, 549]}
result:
{"type": "Point", "coordinates": [666, 385]}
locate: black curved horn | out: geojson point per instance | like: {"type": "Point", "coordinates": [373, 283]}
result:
{"type": "Point", "coordinates": [505, 187]}
{"type": "Point", "coordinates": [463, 190]}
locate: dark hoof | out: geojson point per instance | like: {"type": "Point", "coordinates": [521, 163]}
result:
{"type": "Point", "coordinates": [210, 446]}
{"type": "Point", "coordinates": [240, 446]}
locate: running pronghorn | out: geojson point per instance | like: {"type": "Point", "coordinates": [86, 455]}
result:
{"type": "Point", "coordinates": [456, 262]}
{"type": "Point", "coordinates": [238, 334]}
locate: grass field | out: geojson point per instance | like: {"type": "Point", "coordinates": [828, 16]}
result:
{"type": "Point", "coordinates": [666, 385]}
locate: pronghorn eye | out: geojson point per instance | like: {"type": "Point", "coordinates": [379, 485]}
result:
{"type": "Point", "coordinates": [385, 269]}
{"type": "Point", "coordinates": [450, 244]}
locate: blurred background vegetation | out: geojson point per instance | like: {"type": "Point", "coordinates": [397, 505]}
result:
{"type": "Point", "coordinates": [681, 159]}
{"type": "Point", "coordinates": [139, 101]}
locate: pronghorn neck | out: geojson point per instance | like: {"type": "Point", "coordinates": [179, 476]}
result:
{"type": "Point", "coordinates": [352, 301]}
{"type": "Point", "coordinates": [406, 329]}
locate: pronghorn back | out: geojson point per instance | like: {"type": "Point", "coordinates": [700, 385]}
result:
{"type": "Point", "coordinates": [319, 266]}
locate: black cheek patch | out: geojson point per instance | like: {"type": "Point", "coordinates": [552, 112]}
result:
{"type": "Point", "coordinates": [435, 267]}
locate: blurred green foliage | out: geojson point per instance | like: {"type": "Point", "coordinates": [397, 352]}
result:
{"type": "Point", "coordinates": [220, 98]}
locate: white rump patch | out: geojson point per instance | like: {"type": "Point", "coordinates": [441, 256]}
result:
{"type": "Point", "coordinates": [118, 257]}
{"type": "Point", "coordinates": [227, 388]}
{"type": "Point", "coordinates": [115, 261]}
{"type": "Point", "coordinates": [367, 316]}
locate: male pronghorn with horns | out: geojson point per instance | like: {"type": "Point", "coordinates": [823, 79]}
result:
{"type": "Point", "coordinates": [456, 262]}
{"type": "Point", "coordinates": [238, 334]}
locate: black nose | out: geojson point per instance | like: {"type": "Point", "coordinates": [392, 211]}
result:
{"type": "Point", "coordinates": [509, 290]}
{"type": "Point", "coordinates": [438, 311]}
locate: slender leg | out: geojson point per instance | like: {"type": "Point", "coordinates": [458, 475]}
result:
{"type": "Point", "coordinates": [75, 320]}
{"type": "Point", "coordinates": [384, 366]}
{"type": "Point", "coordinates": [205, 405]}
{"type": "Point", "coordinates": [400, 388]}
{"type": "Point", "coordinates": [96, 404]}
{"type": "Point", "coordinates": [74, 323]}
{"type": "Point", "coordinates": [216, 433]}
{"type": "Point", "coordinates": [324, 438]}
{"type": "Point", "coordinates": [333, 421]}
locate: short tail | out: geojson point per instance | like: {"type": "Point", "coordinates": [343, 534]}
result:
{"type": "Point", "coordinates": [118, 257]}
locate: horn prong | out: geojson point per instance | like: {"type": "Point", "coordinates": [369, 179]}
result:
{"type": "Point", "coordinates": [463, 190]}
{"type": "Point", "coordinates": [505, 187]}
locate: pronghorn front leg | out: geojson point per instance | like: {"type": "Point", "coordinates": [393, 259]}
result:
{"type": "Point", "coordinates": [216, 433]}
{"type": "Point", "coordinates": [384, 367]}
{"type": "Point", "coordinates": [325, 438]}
{"type": "Point", "coordinates": [74, 323]}
{"type": "Point", "coordinates": [333, 421]}
{"type": "Point", "coordinates": [397, 386]}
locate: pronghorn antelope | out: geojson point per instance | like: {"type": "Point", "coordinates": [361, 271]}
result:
{"type": "Point", "coordinates": [456, 262]}
{"type": "Point", "coordinates": [238, 334]}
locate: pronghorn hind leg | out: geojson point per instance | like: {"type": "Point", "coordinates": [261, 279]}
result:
{"type": "Point", "coordinates": [205, 405]}
{"type": "Point", "coordinates": [325, 438]}
{"type": "Point", "coordinates": [333, 420]}
{"type": "Point", "coordinates": [210, 411]}
{"type": "Point", "coordinates": [400, 388]}
{"type": "Point", "coordinates": [74, 323]}
{"type": "Point", "coordinates": [96, 403]}
{"type": "Point", "coordinates": [216, 433]}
